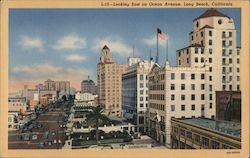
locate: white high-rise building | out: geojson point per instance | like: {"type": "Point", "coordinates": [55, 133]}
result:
{"type": "Point", "coordinates": [210, 63]}
{"type": "Point", "coordinates": [135, 92]}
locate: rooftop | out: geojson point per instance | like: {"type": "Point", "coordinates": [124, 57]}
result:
{"type": "Point", "coordinates": [225, 127]}
{"type": "Point", "coordinates": [210, 13]}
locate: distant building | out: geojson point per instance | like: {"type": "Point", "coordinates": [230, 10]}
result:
{"type": "Point", "coordinates": [88, 86]}
{"type": "Point", "coordinates": [12, 120]}
{"type": "Point", "coordinates": [201, 133]}
{"type": "Point", "coordinates": [228, 105]}
{"type": "Point", "coordinates": [29, 93]}
{"type": "Point", "coordinates": [135, 92]}
{"type": "Point", "coordinates": [109, 83]}
{"type": "Point", "coordinates": [84, 98]}
{"type": "Point", "coordinates": [45, 99]}
{"type": "Point", "coordinates": [17, 104]}
{"type": "Point", "coordinates": [61, 86]}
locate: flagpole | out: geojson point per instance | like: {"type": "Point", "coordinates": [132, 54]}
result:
{"type": "Point", "coordinates": [157, 47]}
{"type": "Point", "coordinates": [166, 47]}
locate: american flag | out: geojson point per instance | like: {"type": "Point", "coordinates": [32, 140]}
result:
{"type": "Point", "coordinates": [161, 34]}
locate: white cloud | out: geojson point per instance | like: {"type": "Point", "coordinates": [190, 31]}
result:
{"type": "Point", "coordinates": [75, 57]}
{"type": "Point", "coordinates": [70, 41]}
{"type": "Point", "coordinates": [116, 45]}
{"type": "Point", "coordinates": [28, 42]}
{"type": "Point", "coordinates": [151, 41]}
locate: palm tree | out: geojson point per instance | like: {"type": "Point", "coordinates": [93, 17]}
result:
{"type": "Point", "coordinates": [95, 117]}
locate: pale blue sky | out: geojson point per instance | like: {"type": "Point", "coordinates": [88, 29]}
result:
{"type": "Point", "coordinates": [66, 43]}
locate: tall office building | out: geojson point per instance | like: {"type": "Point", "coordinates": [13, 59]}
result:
{"type": "Point", "coordinates": [109, 83]}
{"type": "Point", "coordinates": [210, 63]}
{"type": "Point", "coordinates": [135, 92]}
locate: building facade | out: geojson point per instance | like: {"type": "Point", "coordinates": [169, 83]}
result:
{"type": "Point", "coordinates": [135, 92]}
{"type": "Point", "coordinates": [17, 104]}
{"type": "Point", "coordinates": [88, 86]}
{"type": "Point", "coordinates": [174, 92]}
{"type": "Point", "coordinates": [210, 63]}
{"type": "Point", "coordinates": [213, 45]}
{"type": "Point", "coordinates": [109, 83]}
{"type": "Point", "coordinates": [201, 133]}
{"type": "Point", "coordinates": [228, 105]}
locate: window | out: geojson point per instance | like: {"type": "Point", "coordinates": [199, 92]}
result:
{"type": "Point", "coordinates": [172, 97]}
{"type": "Point", "coordinates": [223, 52]}
{"type": "Point", "coordinates": [223, 43]}
{"type": "Point", "coordinates": [230, 87]}
{"type": "Point", "coordinates": [210, 33]}
{"type": "Point", "coordinates": [210, 69]}
{"type": "Point", "coordinates": [223, 34]}
{"type": "Point", "coordinates": [192, 76]}
{"type": "Point", "coordinates": [182, 76]}
{"type": "Point", "coordinates": [182, 131]}
{"type": "Point", "coordinates": [197, 138]}
{"type": "Point", "coordinates": [202, 76]}
{"type": "Point", "coordinates": [202, 96]}
{"type": "Point", "coordinates": [193, 107]}
{"type": "Point", "coordinates": [192, 97]}
{"type": "Point", "coordinates": [210, 42]}
{"type": "Point", "coordinates": [238, 60]}
{"type": "Point", "coordinates": [230, 43]}
{"type": "Point", "coordinates": [172, 107]}
{"type": "Point", "coordinates": [223, 87]}
{"type": "Point", "coordinates": [205, 142]}
{"type": "Point", "coordinates": [189, 135]}
{"type": "Point", "coordinates": [201, 34]}
{"type": "Point", "coordinates": [202, 50]}
{"type": "Point", "coordinates": [215, 144]}
{"type": "Point", "coordinates": [211, 105]}
{"type": "Point", "coordinates": [141, 105]}
{"type": "Point", "coordinates": [238, 87]}
{"type": "Point", "coordinates": [192, 37]}
{"type": "Point", "coordinates": [238, 52]}
{"type": "Point", "coordinates": [210, 88]}
{"type": "Point", "coordinates": [202, 107]}
{"type": "Point", "coordinates": [230, 78]}
{"type": "Point", "coordinates": [202, 60]}
{"type": "Point", "coordinates": [238, 69]}
{"type": "Point", "coordinates": [210, 96]}
{"type": "Point", "coordinates": [179, 62]}
{"type": "Point", "coordinates": [230, 69]}
{"type": "Point", "coordinates": [230, 34]}
{"type": "Point", "coordinates": [141, 91]}
{"type": "Point", "coordinates": [182, 107]}
{"type": "Point", "coordinates": [187, 60]}
{"type": "Point", "coordinates": [196, 59]}
{"type": "Point", "coordinates": [230, 52]}
{"type": "Point", "coordinates": [223, 61]}
{"type": "Point", "coordinates": [141, 120]}
{"type": "Point", "coordinates": [202, 42]}
{"type": "Point", "coordinates": [141, 77]}
{"type": "Point", "coordinates": [172, 87]}
{"type": "Point", "coordinates": [210, 78]}
{"type": "Point", "coordinates": [202, 86]}
{"type": "Point", "coordinates": [210, 51]}
{"type": "Point", "coordinates": [230, 60]}
{"type": "Point", "coordinates": [182, 86]}
{"type": "Point", "coordinates": [172, 76]}
{"type": "Point", "coordinates": [192, 86]}
{"type": "Point", "coordinates": [210, 60]}
{"type": "Point", "coordinates": [182, 97]}
{"type": "Point", "coordinates": [141, 85]}
{"type": "Point", "coordinates": [141, 98]}
{"type": "Point", "coordinates": [196, 50]}
{"type": "Point", "coordinates": [238, 78]}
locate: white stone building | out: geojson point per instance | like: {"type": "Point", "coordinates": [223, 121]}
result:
{"type": "Point", "coordinates": [210, 63]}
{"type": "Point", "coordinates": [135, 92]}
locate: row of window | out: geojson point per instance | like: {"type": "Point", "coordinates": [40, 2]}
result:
{"type": "Point", "coordinates": [192, 97]}
{"type": "Point", "coordinates": [157, 106]}
{"type": "Point", "coordinates": [202, 60]}
{"type": "Point", "coordinates": [230, 87]}
{"type": "Point", "coordinates": [183, 107]}
{"type": "Point", "coordinates": [157, 87]}
{"type": "Point", "coordinates": [183, 86]}
{"type": "Point", "coordinates": [230, 70]}
{"type": "Point", "coordinates": [204, 141]}
{"type": "Point", "coordinates": [230, 78]}
{"type": "Point", "coordinates": [17, 104]}
{"type": "Point", "coordinates": [230, 61]}
{"type": "Point", "coordinates": [202, 76]}
{"type": "Point", "coordinates": [157, 96]}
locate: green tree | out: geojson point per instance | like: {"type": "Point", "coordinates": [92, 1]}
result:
{"type": "Point", "coordinates": [95, 117]}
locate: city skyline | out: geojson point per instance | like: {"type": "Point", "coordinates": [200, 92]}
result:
{"type": "Point", "coordinates": [64, 44]}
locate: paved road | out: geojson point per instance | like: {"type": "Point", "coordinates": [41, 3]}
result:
{"type": "Point", "coordinates": [50, 122]}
